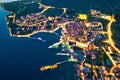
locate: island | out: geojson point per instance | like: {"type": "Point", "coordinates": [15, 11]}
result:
{"type": "Point", "coordinates": [98, 57]}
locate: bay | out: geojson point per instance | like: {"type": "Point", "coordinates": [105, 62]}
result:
{"type": "Point", "coordinates": [21, 58]}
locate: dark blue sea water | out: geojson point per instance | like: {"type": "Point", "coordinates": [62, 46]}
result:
{"type": "Point", "coordinates": [21, 58]}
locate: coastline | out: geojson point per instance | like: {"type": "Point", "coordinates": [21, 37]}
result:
{"type": "Point", "coordinates": [6, 10]}
{"type": "Point", "coordinates": [8, 1]}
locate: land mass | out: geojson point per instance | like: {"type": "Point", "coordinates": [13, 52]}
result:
{"type": "Point", "coordinates": [91, 32]}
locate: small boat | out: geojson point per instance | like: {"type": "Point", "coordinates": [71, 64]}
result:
{"type": "Point", "coordinates": [38, 38]}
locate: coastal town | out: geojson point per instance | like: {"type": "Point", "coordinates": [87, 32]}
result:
{"type": "Point", "coordinates": [98, 57]}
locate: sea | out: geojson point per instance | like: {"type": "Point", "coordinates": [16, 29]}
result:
{"type": "Point", "coordinates": [21, 58]}
{"type": "Point", "coordinates": [1, 1]}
